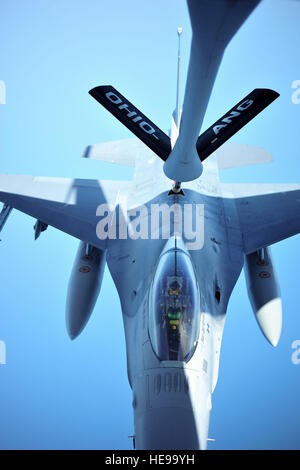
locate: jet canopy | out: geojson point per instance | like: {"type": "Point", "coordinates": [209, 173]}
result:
{"type": "Point", "coordinates": [174, 310]}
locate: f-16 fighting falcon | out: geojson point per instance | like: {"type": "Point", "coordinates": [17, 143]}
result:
{"type": "Point", "coordinates": [175, 239]}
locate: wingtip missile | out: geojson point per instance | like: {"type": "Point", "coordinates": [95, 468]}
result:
{"type": "Point", "coordinates": [6, 210]}
{"type": "Point", "coordinates": [39, 227]}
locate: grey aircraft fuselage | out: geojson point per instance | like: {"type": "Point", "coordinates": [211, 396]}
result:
{"type": "Point", "coordinates": [172, 399]}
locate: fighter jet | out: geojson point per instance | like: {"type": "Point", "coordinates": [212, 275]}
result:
{"type": "Point", "coordinates": [175, 239]}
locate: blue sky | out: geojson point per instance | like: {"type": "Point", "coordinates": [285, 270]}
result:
{"type": "Point", "coordinates": [59, 394]}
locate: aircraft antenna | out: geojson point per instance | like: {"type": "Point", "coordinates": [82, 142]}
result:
{"type": "Point", "coordinates": [176, 188]}
{"type": "Point", "coordinates": [177, 114]}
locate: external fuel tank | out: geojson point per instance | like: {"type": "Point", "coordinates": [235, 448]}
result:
{"type": "Point", "coordinates": [264, 293]}
{"type": "Point", "coordinates": [84, 287]}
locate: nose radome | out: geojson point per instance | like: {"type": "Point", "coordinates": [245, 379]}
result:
{"type": "Point", "coordinates": [175, 241]}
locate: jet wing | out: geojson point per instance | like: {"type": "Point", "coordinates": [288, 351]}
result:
{"type": "Point", "coordinates": [267, 213]}
{"type": "Point", "coordinates": [65, 203]}
{"type": "Point", "coordinates": [229, 155]}
{"type": "Point", "coordinates": [122, 152]}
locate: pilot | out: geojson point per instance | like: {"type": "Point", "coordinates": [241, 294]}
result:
{"type": "Point", "coordinates": [174, 288]}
